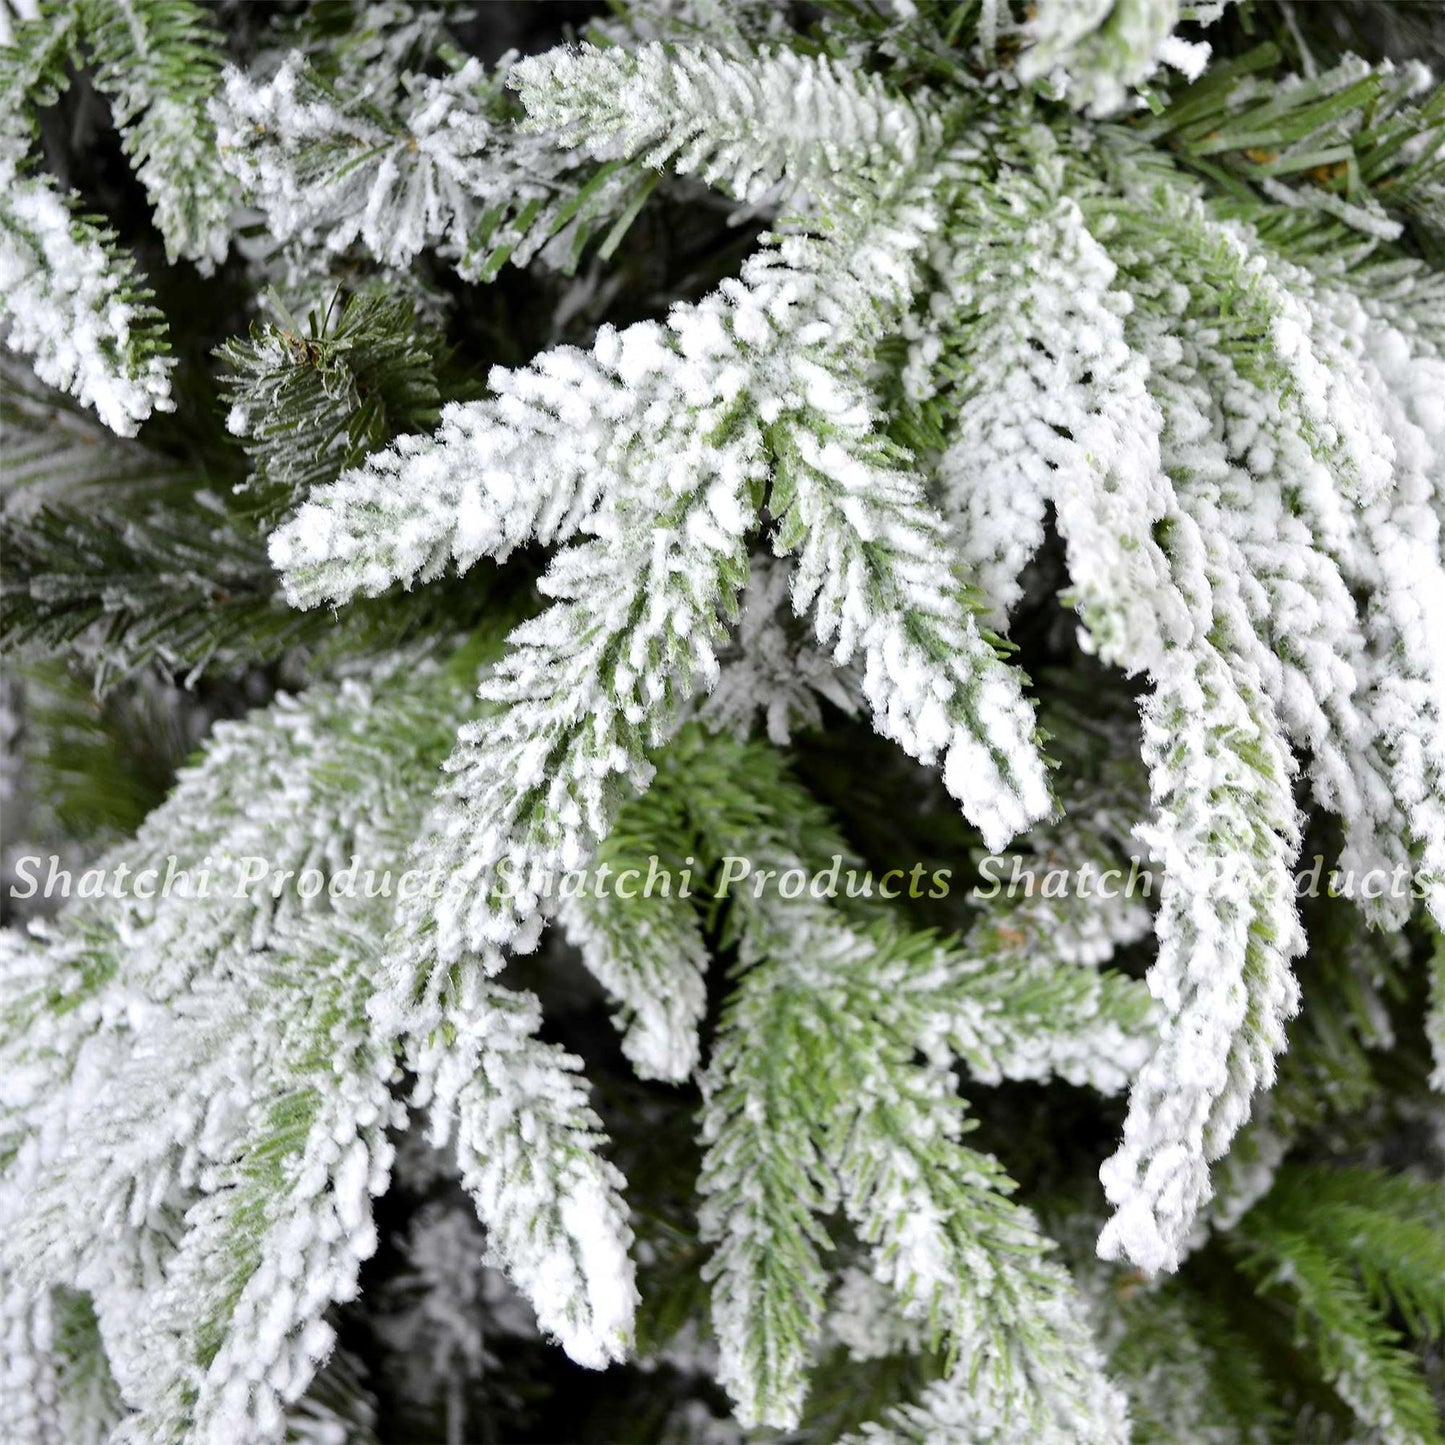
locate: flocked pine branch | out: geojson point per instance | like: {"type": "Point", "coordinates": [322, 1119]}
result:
{"type": "Point", "coordinates": [277, 1139]}
{"type": "Point", "coordinates": [1035, 317]}
{"type": "Point", "coordinates": [743, 125]}
{"type": "Point", "coordinates": [528, 1148]}
{"type": "Point", "coordinates": [70, 299]}
{"type": "Point", "coordinates": [817, 1048]}
{"type": "Point", "coordinates": [440, 172]}
{"type": "Point", "coordinates": [73, 300]}
{"type": "Point", "coordinates": [1097, 53]}
{"type": "Point", "coordinates": [158, 61]}
{"type": "Point", "coordinates": [1350, 1246]}
{"type": "Point", "coordinates": [1009, 459]}
{"type": "Point", "coordinates": [1351, 978]}
{"type": "Point", "coordinates": [742, 390]}
{"type": "Point", "coordinates": [1111, 439]}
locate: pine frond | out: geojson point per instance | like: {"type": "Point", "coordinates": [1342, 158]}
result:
{"type": "Point", "coordinates": [440, 171]}
{"type": "Point", "coordinates": [643, 944]}
{"type": "Point", "coordinates": [1358, 1352]}
{"type": "Point", "coordinates": [1096, 53]}
{"type": "Point", "coordinates": [1032, 290]}
{"type": "Point", "coordinates": [120, 554]}
{"type": "Point", "coordinates": [70, 299]}
{"type": "Point", "coordinates": [75, 305]}
{"type": "Point", "coordinates": [857, 518]}
{"type": "Point", "coordinates": [1312, 659]}
{"type": "Point", "coordinates": [1078, 430]}
{"type": "Point", "coordinates": [597, 679]}
{"type": "Point", "coordinates": [309, 405]}
{"type": "Point", "coordinates": [492, 476]}
{"type": "Point", "coordinates": [285, 1079]}
{"type": "Point", "coordinates": [1358, 145]}
{"type": "Point", "coordinates": [1222, 975]}
{"type": "Point", "coordinates": [529, 1150]}
{"type": "Point", "coordinates": [187, 926]}
{"type": "Point", "coordinates": [275, 1140]}
{"type": "Point", "coordinates": [159, 61]}
{"type": "Point", "coordinates": [1168, 433]}
{"type": "Point", "coordinates": [1145, 372]}
{"type": "Point", "coordinates": [819, 1047]}
{"type": "Point", "coordinates": [284, 1218]}
{"type": "Point", "coordinates": [55, 1385]}
{"type": "Point", "coordinates": [184, 587]}
{"type": "Point", "coordinates": [798, 1062]}
{"type": "Point", "coordinates": [50, 991]}
{"type": "Point", "coordinates": [1349, 976]}
{"type": "Point", "coordinates": [702, 113]}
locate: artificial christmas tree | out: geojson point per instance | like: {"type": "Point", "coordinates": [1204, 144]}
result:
{"type": "Point", "coordinates": [742, 578]}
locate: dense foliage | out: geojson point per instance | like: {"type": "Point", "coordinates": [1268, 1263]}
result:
{"type": "Point", "coordinates": [758, 690]}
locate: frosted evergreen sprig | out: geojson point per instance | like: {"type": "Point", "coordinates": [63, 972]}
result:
{"type": "Point", "coordinates": [1330, 448]}
{"type": "Point", "coordinates": [56, 990]}
{"type": "Point", "coordinates": [1350, 1245]}
{"type": "Point", "coordinates": [1079, 429]}
{"type": "Point", "coordinates": [159, 63]}
{"type": "Point", "coordinates": [72, 299]}
{"type": "Point", "coordinates": [69, 299]}
{"type": "Point", "coordinates": [120, 555]}
{"type": "Point", "coordinates": [756, 372]}
{"type": "Point", "coordinates": [74, 305]}
{"type": "Point", "coordinates": [1018, 996]}
{"type": "Point", "coordinates": [1351, 977]}
{"type": "Point", "coordinates": [443, 171]}
{"type": "Point", "coordinates": [332, 177]}
{"type": "Point", "coordinates": [529, 1152]}
{"type": "Point", "coordinates": [1095, 53]}
{"type": "Point", "coordinates": [165, 567]}
{"type": "Point", "coordinates": [197, 1201]}
{"type": "Point", "coordinates": [819, 1047]}
{"type": "Point", "coordinates": [740, 124]}
{"type": "Point", "coordinates": [283, 1221]}
{"type": "Point", "coordinates": [1107, 419]}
